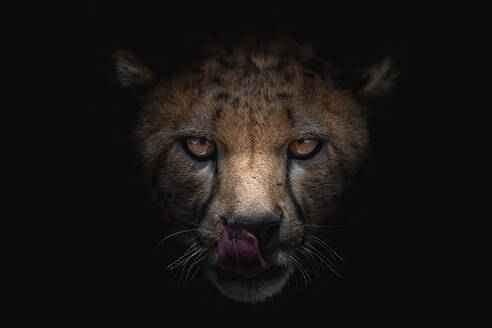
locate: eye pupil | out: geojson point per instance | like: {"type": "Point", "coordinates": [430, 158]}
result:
{"type": "Point", "coordinates": [199, 147]}
{"type": "Point", "coordinates": [303, 148]}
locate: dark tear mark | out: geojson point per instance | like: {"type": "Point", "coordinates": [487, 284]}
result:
{"type": "Point", "coordinates": [289, 114]}
{"type": "Point", "coordinates": [299, 211]}
{"type": "Point", "coordinates": [160, 161]}
{"type": "Point", "coordinates": [218, 112]}
{"type": "Point", "coordinates": [235, 103]}
{"type": "Point", "coordinates": [204, 209]}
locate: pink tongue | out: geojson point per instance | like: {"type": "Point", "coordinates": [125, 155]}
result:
{"type": "Point", "coordinates": [239, 252]}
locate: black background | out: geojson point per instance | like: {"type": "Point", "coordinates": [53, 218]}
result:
{"type": "Point", "coordinates": [117, 272]}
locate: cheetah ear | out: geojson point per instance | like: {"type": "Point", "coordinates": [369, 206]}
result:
{"type": "Point", "coordinates": [380, 80]}
{"type": "Point", "coordinates": [130, 73]}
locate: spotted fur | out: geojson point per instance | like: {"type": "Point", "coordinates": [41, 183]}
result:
{"type": "Point", "coordinates": [251, 100]}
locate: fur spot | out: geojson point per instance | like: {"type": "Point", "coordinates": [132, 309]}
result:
{"type": "Point", "coordinates": [284, 95]}
{"type": "Point", "coordinates": [290, 116]}
{"type": "Point", "coordinates": [288, 78]}
{"type": "Point", "coordinates": [218, 112]}
{"type": "Point", "coordinates": [217, 81]}
{"type": "Point", "coordinates": [221, 96]}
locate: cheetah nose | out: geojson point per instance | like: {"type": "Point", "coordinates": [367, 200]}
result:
{"type": "Point", "coordinates": [264, 227]}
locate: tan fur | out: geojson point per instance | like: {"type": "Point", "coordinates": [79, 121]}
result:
{"type": "Point", "coordinates": [251, 105]}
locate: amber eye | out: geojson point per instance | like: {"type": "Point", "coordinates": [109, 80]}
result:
{"type": "Point", "coordinates": [303, 148]}
{"type": "Point", "coordinates": [200, 147]}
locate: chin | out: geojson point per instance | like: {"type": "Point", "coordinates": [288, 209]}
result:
{"type": "Point", "coordinates": [252, 289]}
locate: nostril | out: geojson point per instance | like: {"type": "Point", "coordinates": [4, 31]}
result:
{"type": "Point", "coordinates": [270, 229]}
{"type": "Point", "coordinates": [270, 232]}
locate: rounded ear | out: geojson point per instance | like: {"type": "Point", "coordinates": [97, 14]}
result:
{"type": "Point", "coordinates": [380, 80]}
{"type": "Point", "coordinates": [130, 73]}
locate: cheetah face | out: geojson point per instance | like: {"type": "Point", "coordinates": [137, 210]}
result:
{"type": "Point", "coordinates": [247, 157]}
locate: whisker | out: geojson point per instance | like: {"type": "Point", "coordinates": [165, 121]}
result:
{"type": "Point", "coordinates": [183, 263]}
{"type": "Point", "coordinates": [198, 267]}
{"type": "Point", "coordinates": [188, 251]}
{"type": "Point", "coordinates": [191, 240]}
{"type": "Point", "coordinates": [323, 259]}
{"type": "Point", "coordinates": [188, 222]}
{"type": "Point", "coordinates": [318, 253]}
{"type": "Point", "coordinates": [194, 255]}
{"type": "Point", "coordinates": [298, 265]}
{"type": "Point", "coordinates": [196, 262]}
{"type": "Point", "coordinates": [172, 235]}
{"type": "Point", "coordinates": [323, 246]}
{"type": "Point", "coordinates": [327, 247]}
{"type": "Point", "coordinates": [331, 226]}
{"type": "Point", "coordinates": [308, 254]}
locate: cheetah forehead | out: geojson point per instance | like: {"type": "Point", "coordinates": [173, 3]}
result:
{"type": "Point", "coordinates": [248, 91]}
{"type": "Point", "coordinates": [227, 64]}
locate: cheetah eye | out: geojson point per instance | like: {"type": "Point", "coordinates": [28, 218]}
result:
{"type": "Point", "coordinates": [199, 148]}
{"type": "Point", "coordinates": [304, 148]}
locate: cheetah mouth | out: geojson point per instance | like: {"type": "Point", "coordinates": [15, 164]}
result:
{"type": "Point", "coordinates": [269, 275]}
{"type": "Point", "coordinates": [239, 253]}
{"type": "Point", "coordinates": [249, 288]}
{"type": "Point", "coordinates": [244, 272]}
